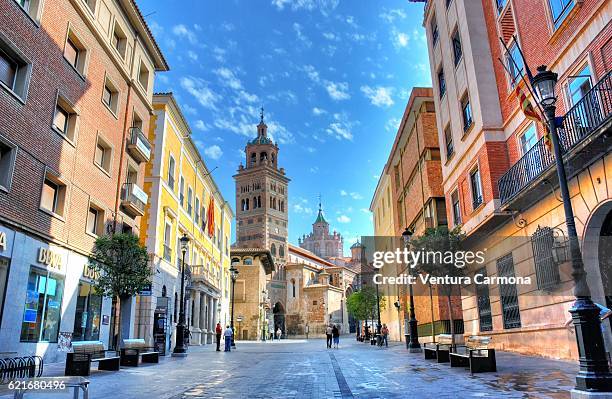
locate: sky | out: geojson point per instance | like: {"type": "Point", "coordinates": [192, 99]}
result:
{"type": "Point", "coordinates": [333, 77]}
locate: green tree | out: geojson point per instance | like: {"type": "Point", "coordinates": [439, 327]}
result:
{"type": "Point", "coordinates": [362, 304]}
{"type": "Point", "coordinates": [440, 240]}
{"type": "Point", "coordinates": [122, 265]}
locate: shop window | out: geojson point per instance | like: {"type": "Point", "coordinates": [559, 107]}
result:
{"type": "Point", "coordinates": [53, 195]}
{"type": "Point", "coordinates": [43, 307]}
{"type": "Point", "coordinates": [88, 314]}
{"type": "Point", "coordinates": [14, 69]}
{"type": "Point", "coordinates": [65, 118]}
{"type": "Point", "coordinates": [8, 154]}
{"type": "Point", "coordinates": [4, 272]}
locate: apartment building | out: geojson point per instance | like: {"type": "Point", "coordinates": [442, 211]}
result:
{"type": "Point", "coordinates": [499, 178]}
{"type": "Point", "coordinates": [184, 201]}
{"type": "Point", "coordinates": [76, 81]}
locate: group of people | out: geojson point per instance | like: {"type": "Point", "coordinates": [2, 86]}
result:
{"type": "Point", "coordinates": [333, 336]}
{"type": "Point", "coordinates": [227, 335]}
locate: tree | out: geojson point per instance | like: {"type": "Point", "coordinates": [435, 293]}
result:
{"type": "Point", "coordinates": [440, 240]}
{"type": "Point", "coordinates": [362, 304]}
{"type": "Point", "coordinates": [122, 266]}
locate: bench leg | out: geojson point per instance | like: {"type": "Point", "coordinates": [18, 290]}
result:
{"type": "Point", "coordinates": [150, 358]}
{"type": "Point", "coordinates": [129, 360]}
{"type": "Point", "coordinates": [429, 354]}
{"type": "Point", "coordinates": [442, 356]}
{"type": "Point", "coordinates": [483, 364]}
{"type": "Point", "coordinates": [74, 368]}
{"type": "Point", "coordinates": [109, 365]}
{"type": "Point", "coordinates": [458, 361]}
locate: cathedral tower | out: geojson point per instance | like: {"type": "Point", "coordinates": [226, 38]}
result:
{"type": "Point", "coordinates": [262, 200]}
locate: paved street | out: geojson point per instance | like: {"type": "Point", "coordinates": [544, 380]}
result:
{"type": "Point", "coordinates": [306, 369]}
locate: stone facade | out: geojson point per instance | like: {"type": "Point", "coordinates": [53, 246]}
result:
{"type": "Point", "coordinates": [320, 241]}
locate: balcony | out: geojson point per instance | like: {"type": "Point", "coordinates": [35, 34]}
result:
{"type": "Point", "coordinates": [201, 273]}
{"type": "Point", "coordinates": [139, 146]}
{"type": "Point", "coordinates": [133, 199]}
{"type": "Point", "coordinates": [582, 137]}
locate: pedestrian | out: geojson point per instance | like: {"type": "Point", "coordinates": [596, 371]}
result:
{"type": "Point", "coordinates": [385, 335]}
{"type": "Point", "coordinates": [279, 333]}
{"type": "Point", "coordinates": [336, 336]}
{"type": "Point", "coordinates": [328, 333]}
{"type": "Point", "coordinates": [218, 331]}
{"type": "Point", "coordinates": [228, 339]}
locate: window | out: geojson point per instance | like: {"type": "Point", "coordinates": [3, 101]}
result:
{"type": "Point", "coordinates": [95, 220]}
{"type": "Point", "coordinates": [75, 53]}
{"type": "Point", "coordinates": [546, 268]}
{"type": "Point", "coordinates": [119, 40]}
{"type": "Point", "coordinates": [281, 251]}
{"type": "Point", "coordinates": [143, 76]}
{"type": "Point", "coordinates": [32, 8]}
{"type": "Point", "coordinates": [516, 68]}
{"type": "Point", "coordinates": [182, 191]}
{"type": "Point", "coordinates": [528, 138]}
{"type": "Point", "coordinates": [441, 83]}
{"type": "Point", "coordinates": [500, 5]}
{"type": "Point", "coordinates": [102, 154]}
{"type": "Point", "coordinates": [189, 199]}
{"type": "Point", "coordinates": [466, 112]}
{"type": "Point", "coordinates": [14, 69]}
{"type": "Point", "coordinates": [91, 4]}
{"type": "Point", "coordinates": [293, 288]}
{"type": "Point", "coordinates": [434, 30]}
{"type": "Point", "coordinates": [484, 304]}
{"type": "Point", "coordinates": [476, 188]}
{"type": "Point", "coordinates": [8, 154]}
{"type": "Point", "coordinates": [507, 292]}
{"type": "Point", "coordinates": [448, 3]}
{"type": "Point", "coordinates": [4, 272]}
{"type": "Point", "coordinates": [167, 238]}
{"type": "Point", "coordinates": [53, 195]}
{"type": "Point", "coordinates": [88, 314]}
{"type": "Point", "coordinates": [196, 213]}
{"type": "Point", "coordinates": [65, 119]}
{"type": "Point", "coordinates": [456, 208]}
{"type": "Point", "coordinates": [171, 165]}
{"type": "Point", "coordinates": [43, 303]}
{"type": "Point", "coordinates": [110, 96]}
{"type": "Point", "coordinates": [579, 84]}
{"type": "Point", "coordinates": [560, 9]}
{"type": "Point", "coordinates": [448, 140]}
{"type": "Point", "coordinates": [457, 52]}
{"type": "Point", "coordinates": [273, 249]}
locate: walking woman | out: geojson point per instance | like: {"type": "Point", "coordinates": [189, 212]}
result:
{"type": "Point", "coordinates": [336, 336]}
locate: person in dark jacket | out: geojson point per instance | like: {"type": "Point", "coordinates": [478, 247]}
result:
{"type": "Point", "coordinates": [336, 336]}
{"type": "Point", "coordinates": [218, 332]}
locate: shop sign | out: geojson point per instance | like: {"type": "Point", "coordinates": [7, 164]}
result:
{"type": "Point", "coordinates": [90, 273]}
{"type": "Point", "coordinates": [2, 241]}
{"type": "Point", "coordinates": [146, 291]}
{"type": "Point", "coordinates": [50, 258]}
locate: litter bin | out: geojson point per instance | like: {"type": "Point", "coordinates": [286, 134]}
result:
{"type": "Point", "coordinates": [407, 336]}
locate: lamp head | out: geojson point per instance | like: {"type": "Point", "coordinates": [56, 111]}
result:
{"type": "Point", "coordinates": [406, 235]}
{"type": "Point", "coordinates": [184, 243]}
{"type": "Point", "coordinates": [544, 85]}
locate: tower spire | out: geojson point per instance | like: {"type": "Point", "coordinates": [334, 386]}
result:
{"type": "Point", "coordinates": [262, 114]}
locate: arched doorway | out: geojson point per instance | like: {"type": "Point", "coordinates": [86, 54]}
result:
{"type": "Point", "coordinates": [279, 318]}
{"type": "Point", "coordinates": [604, 255]}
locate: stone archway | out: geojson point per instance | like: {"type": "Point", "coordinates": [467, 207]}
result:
{"type": "Point", "coordinates": [279, 318]}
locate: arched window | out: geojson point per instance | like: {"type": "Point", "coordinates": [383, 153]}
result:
{"type": "Point", "coordinates": [248, 261]}
{"type": "Point", "coordinates": [262, 156]}
{"type": "Point", "coordinates": [281, 250]}
{"type": "Point", "coordinates": [270, 204]}
{"type": "Point", "coordinates": [242, 206]}
{"type": "Point", "coordinates": [235, 261]}
{"type": "Point", "coordinates": [312, 278]}
{"type": "Point", "coordinates": [254, 202]}
{"type": "Point", "coordinates": [293, 287]}
{"type": "Point", "coordinates": [273, 159]}
{"type": "Point", "coordinates": [253, 158]}
{"type": "Point", "coordinates": [247, 204]}
{"type": "Point", "coordinates": [273, 249]}
{"type": "Point", "coordinates": [259, 201]}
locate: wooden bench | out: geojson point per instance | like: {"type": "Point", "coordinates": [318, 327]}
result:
{"type": "Point", "coordinates": [475, 354]}
{"type": "Point", "coordinates": [78, 362]}
{"type": "Point", "coordinates": [439, 350]}
{"type": "Point", "coordinates": [137, 348]}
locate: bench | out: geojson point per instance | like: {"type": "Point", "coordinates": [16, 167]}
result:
{"type": "Point", "coordinates": [475, 354]}
{"type": "Point", "coordinates": [78, 362]}
{"type": "Point", "coordinates": [439, 350]}
{"type": "Point", "coordinates": [137, 348]}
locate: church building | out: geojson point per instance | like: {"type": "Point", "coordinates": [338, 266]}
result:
{"type": "Point", "coordinates": [320, 241]}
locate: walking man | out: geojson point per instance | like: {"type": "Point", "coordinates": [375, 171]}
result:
{"type": "Point", "coordinates": [228, 339]}
{"type": "Point", "coordinates": [218, 331]}
{"type": "Point", "coordinates": [385, 335]}
{"type": "Point", "coordinates": [328, 334]}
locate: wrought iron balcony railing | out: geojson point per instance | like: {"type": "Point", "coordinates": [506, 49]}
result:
{"type": "Point", "coordinates": [139, 146]}
{"type": "Point", "coordinates": [133, 199]}
{"type": "Point", "coordinates": [584, 118]}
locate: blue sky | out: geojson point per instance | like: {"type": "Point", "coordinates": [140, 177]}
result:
{"type": "Point", "coordinates": [333, 76]}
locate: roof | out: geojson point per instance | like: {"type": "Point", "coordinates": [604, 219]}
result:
{"type": "Point", "coordinates": [149, 40]}
{"type": "Point", "coordinates": [264, 255]}
{"type": "Point", "coordinates": [320, 217]}
{"type": "Point", "coordinates": [261, 140]}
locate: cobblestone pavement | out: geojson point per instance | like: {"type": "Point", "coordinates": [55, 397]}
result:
{"type": "Point", "coordinates": [306, 369]}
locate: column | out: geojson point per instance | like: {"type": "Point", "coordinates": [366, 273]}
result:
{"type": "Point", "coordinates": [202, 318]}
{"type": "Point", "coordinates": [196, 318]}
{"type": "Point", "coordinates": [211, 319]}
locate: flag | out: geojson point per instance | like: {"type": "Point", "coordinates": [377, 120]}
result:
{"type": "Point", "coordinates": [531, 113]}
{"type": "Point", "coordinates": [211, 216]}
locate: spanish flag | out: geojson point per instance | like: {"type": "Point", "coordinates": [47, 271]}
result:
{"type": "Point", "coordinates": [531, 113]}
{"type": "Point", "coordinates": [211, 216]}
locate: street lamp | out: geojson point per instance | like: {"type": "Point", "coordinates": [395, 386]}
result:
{"type": "Point", "coordinates": [179, 348]}
{"type": "Point", "coordinates": [398, 306]}
{"type": "Point", "coordinates": [234, 275]}
{"type": "Point", "coordinates": [413, 346]}
{"type": "Point", "coordinates": [379, 325]}
{"type": "Point", "coordinates": [594, 374]}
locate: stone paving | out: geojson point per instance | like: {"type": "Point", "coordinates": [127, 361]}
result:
{"type": "Point", "coordinates": [306, 369]}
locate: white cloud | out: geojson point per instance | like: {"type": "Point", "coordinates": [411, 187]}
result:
{"type": "Point", "coordinates": [312, 73]}
{"type": "Point", "coordinates": [184, 32]}
{"type": "Point", "coordinates": [298, 208]}
{"type": "Point", "coordinates": [300, 35]}
{"type": "Point", "coordinates": [318, 111]}
{"type": "Point", "coordinates": [392, 124]}
{"type": "Point", "coordinates": [200, 91]}
{"type": "Point", "coordinates": [337, 90]}
{"type": "Point", "coordinates": [314, 169]}
{"type": "Point", "coordinates": [400, 39]}
{"type": "Point", "coordinates": [365, 210]}
{"type": "Point", "coordinates": [162, 78]}
{"type": "Point", "coordinates": [228, 26]}
{"type": "Point", "coordinates": [392, 15]}
{"type": "Point", "coordinates": [228, 78]}
{"type": "Point", "coordinates": [213, 152]}
{"type": "Point", "coordinates": [343, 219]}
{"type": "Point", "coordinates": [379, 96]}
{"type": "Point", "coordinates": [311, 149]}
{"type": "Point", "coordinates": [192, 55]}
{"type": "Point", "coordinates": [356, 196]}
{"type": "Point", "coordinates": [330, 36]}
{"type": "Point", "coordinates": [188, 109]}
{"type": "Point", "coordinates": [200, 125]}
{"type": "Point", "coordinates": [343, 193]}
{"type": "Point", "coordinates": [339, 131]}
{"type": "Point", "coordinates": [219, 54]}
{"type": "Point", "coordinates": [324, 6]}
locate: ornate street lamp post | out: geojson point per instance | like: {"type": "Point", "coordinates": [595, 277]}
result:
{"type": "Point", "coordinates": [413, 346]}
{"type": "Point", "coordinates": [179, 348]}
{"type": "Point", "coordinates": [234, 275]}
{"type": "Point", "coordinates": [594, 374]}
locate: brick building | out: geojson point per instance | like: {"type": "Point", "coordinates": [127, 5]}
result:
{"type": "Point", "coordinates": [499, 181]}
{"type": "Point", "coordinates": [76, 83]}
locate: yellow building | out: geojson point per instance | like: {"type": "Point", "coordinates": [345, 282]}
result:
{"type": "Point", "coordinates": [182, 198]}
{"type": "Point", "coordinates": [384, 226]}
